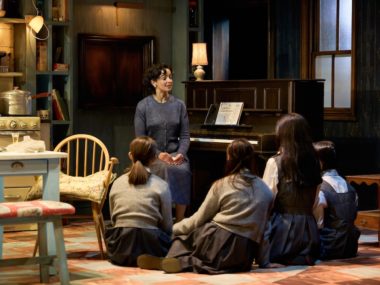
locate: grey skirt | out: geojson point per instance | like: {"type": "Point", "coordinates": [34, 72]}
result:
{"type": "Point", "coordinates": [294, 239]}
{"type": "Point", "coordinates": [124, 245]}
{"type": "Point", "coordinates": [213, 250]}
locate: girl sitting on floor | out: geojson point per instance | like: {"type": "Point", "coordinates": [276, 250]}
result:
{"type": "Point", "coordinates": [293, 175]}
{"type": "Point", "coordinates": [141, 209]}
{"type": "Point", "coordinates": [337, 208]}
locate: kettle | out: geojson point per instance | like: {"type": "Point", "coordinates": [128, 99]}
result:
{"type": "Point", "coordinates": [15, 102]}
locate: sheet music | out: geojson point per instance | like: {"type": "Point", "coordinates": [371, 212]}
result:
{"type": "Point", "coordinates": [229, 113]}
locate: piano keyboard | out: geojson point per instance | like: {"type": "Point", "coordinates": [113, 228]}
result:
{"type": "Point", "coordinates": [211, 140]}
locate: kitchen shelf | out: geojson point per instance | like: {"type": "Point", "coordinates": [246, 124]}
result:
{"type": "Point", "coordinates": [48, 53]}
{"type": "Point", "coordinates": [12, 21]}
{"type": "Point", "coordinates": [13, 40]}
{"type": "Point", "coordinates": [11, 74]}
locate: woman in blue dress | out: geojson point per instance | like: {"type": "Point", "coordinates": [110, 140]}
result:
{"type": "Point", "coordinates": [164, 118]}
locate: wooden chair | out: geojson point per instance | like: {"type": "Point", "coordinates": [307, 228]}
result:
{"type": "Point", "coordinates": [86, 175]}
{"type": "Point", "coordinates": [87, 157]}
{"type": "Point", "coordinates": [41, 212]}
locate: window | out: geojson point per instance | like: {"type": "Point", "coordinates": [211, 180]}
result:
{"type": "Point", "coordinates": [333, 57]}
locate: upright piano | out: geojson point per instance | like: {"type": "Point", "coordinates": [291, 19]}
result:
{"type": "Point", "coordinates": [265, 101]}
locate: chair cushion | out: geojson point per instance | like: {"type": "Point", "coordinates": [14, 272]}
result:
{"type": "Point", "coordinates": [90, 187]}
{"type": "Point", "coordinates": [36, 208]}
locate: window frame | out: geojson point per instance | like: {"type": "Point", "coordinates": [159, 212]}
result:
{"type": "Point", "coordinates": [332, 113]}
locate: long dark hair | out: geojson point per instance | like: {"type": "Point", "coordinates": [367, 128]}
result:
{"type": "Point", "coordinates": [240, 155]}
{"type": "Point", "coordinates": [143, 150]}
{"type": "Point", "coordinates": [153, 73]}
{"type": "Point", "coordinates": [299, 162]}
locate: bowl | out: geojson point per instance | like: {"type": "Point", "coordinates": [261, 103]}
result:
{"type": "Point", "coordinates": [2, 13]}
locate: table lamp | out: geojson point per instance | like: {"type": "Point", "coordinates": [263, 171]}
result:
{"type": "Point", "coordinates": [199, 58]}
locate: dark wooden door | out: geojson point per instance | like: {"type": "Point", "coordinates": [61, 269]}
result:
{"type": "Point", "coordinates": [111, 70]}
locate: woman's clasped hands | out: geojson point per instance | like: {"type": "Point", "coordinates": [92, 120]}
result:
{"type": "Point", "coordinates": [175, 160]}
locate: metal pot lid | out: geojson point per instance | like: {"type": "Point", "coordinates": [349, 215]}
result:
{"type": "Point", "coordinates": [16, 91]}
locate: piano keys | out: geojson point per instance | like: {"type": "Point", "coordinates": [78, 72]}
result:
{"type": "Point", "coordinates": [218, 141]}
{"type": "Point", "coordinates": [262, 143]}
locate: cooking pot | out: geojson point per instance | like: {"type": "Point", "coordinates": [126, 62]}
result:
{"type": "Point", "coordinates": [15, 102]}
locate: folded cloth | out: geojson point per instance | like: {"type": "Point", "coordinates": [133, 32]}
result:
{"type": "Point", "coordinates": [27, 145]}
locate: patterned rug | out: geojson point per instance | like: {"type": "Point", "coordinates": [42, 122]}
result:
{"type": "Point", "coordinates": [86, 267]}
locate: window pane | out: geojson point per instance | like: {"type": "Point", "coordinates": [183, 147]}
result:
{"type": "Point", "coordinates": [342, 85]}
{"type": "Point", "coordinates": [323, 71]}
{"type": "Point", "coordinates": [327, 28]}
{"type": "Point", "coordinates": [345, 24]}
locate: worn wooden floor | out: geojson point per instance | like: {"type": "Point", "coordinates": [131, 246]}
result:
{"type": "Point", "coordinates": [86, 267]}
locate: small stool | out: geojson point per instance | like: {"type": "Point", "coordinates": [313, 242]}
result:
{"type": "Point", "coordinates": [41, 212]}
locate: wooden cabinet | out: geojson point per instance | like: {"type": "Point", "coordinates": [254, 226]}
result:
{"type": "Point", "coordinates": [111, 70]}
{"type": "Point", "coordinates": [51, 58]}
{"type": "Point", "coordinates": [369, 220]}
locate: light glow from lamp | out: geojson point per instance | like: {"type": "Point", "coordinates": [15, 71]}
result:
{"type": "Point", "coordinates": [199, 58]}
{"type": "Point", "coordinates": [36, 23]}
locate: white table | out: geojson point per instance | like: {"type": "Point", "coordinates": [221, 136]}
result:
{"type": "Point", "coordinates": [41, 163]}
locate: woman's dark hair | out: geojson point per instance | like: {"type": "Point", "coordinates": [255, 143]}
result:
{"type": "Point", "coordinates": [143, 150]}
{"type": "Point", "coordinates": [240, 155]}
{"type": "Point", "coordinates": [299, 162]}
{"type": "Point", "coordinates": [326, 154]}
{"type": "Point", "coordinates": [153, 73]}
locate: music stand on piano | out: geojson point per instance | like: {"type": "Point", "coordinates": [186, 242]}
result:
{"type": "Point", "coordinates": [211, 120]}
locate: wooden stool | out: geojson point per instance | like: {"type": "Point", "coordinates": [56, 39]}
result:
{"type": "Point", "coordinates": [369, 220]}
{"type": "Point", "coordinates": [41, 212]}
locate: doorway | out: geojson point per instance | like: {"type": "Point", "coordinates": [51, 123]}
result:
{"type": "Point", "coordinates": [238, 32]}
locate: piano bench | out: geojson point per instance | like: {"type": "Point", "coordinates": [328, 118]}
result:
{"type": "Point", "coordinates": [369, 220]}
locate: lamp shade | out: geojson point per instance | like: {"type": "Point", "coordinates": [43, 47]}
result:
{"type": "Point", "coordinates": [199, 54]}
{"type": "Point", "coordinates": [36, 23]}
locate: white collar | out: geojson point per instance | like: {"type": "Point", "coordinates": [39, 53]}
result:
{"type": "Point", "coordinates": [337, 182]}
